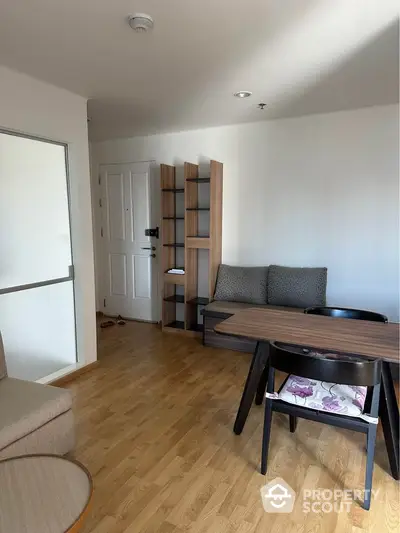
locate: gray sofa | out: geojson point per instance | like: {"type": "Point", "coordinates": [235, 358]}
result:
{"type": "Point", "coordinates": [277, 287]}
{"type": "Point", "coordinates": [34, 418]}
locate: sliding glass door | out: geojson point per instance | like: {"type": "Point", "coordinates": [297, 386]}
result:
{"type": "Point", "coordinates": [37, 316]}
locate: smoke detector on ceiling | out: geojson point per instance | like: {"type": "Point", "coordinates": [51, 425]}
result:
{"type": "Point", "coordinates": [243, 94]}
{"type": "Point", "coordinates": [140, 22]}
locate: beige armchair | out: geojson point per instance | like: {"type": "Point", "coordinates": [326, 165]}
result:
{"type": "Point", "coordinates": [34, 418]}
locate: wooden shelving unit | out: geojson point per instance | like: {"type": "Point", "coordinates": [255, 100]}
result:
{"type": "Point", "coordinates": [194, 240]}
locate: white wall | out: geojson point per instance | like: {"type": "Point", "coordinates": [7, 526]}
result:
{"type": "Point", "coordinates": [320, 190]}
{"type": "Point", "coordinates": [35, 108]}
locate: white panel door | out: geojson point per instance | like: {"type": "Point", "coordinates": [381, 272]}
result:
{"type": "Point", "coordinates": [129, 256]}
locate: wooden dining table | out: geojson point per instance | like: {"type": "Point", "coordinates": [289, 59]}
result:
{"type": "Point", "coordinates": [360, 337]}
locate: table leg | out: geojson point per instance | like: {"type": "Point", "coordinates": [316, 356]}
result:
{"type": "Point", "coordinates": [257, 366]}
{"type": "Point", "coordinates": [389, 415]}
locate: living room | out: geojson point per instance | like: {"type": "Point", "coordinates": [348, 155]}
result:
{"type": "Point", "coordinates": [153, 427]}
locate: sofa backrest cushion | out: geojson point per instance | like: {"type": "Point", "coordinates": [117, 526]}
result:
{"type": "Point", "coordinates": [3, 368]}
{"type": "Point", "coordinates": [297, 287]}
{"type": "Point", "coordinates": [242, 284]}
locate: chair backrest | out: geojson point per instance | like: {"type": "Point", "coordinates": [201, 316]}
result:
{"type": "Point", "coordinates": [346, 370]}
{"type": "Point", "coordinates": [343, 312]}
{"type": "Point", "coordinates": [3, 367]}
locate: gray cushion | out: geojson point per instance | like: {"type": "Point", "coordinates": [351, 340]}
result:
{"type": "Point", "coordinates": [242, 284]}
{"type": "Point", "coordinates": [296, 287]}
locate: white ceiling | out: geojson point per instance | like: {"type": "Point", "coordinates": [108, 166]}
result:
{"type": "Point", "coordinates": [298, 56]}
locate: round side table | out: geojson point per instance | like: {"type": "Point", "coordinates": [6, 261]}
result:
{"type": "Point", "coordinates": [43, 494]}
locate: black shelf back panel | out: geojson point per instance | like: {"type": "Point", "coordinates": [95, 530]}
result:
{"type": "Point", "coordinates": [199, 301]}
{"type": "Point", "coordinates": [177, 298]}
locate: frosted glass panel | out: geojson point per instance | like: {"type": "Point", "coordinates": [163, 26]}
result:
{"type": "Point", "coordinates": [34, 222]}
{"type": "Point", "coordinates": [38, 330]}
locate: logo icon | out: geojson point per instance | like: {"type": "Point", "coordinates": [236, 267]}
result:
{"type": "Point", "coordinates": [277, 496]}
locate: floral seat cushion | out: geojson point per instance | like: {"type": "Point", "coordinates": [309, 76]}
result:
{"type": "Point", "coordinates": [331, 397]}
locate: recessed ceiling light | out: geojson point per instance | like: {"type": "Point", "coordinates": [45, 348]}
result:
{"type": "Point", "coordinates": [140, 22]}
{"type": "Point", "coordinates": [243, 94]}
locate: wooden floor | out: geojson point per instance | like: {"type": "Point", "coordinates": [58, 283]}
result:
{"type": "Point", "coordinates": [154, 423]}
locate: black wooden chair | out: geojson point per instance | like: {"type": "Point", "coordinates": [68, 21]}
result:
{"type": "Point", "coordinates": [299, 397]}
{"type": "Point", "coordinates": [343, 312]}
{"type": "Point", "coordinates": [336, 312]}
{"type": "Point", "coordinates": [357, 314]}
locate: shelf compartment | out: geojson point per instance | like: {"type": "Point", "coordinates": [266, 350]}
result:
{"type": "Point", "coordinates": [175, 245]}
{"type": "Point", "coordinates": [199, 180]}
{"type": "Point", "coordinates": [176, 324]}
{"type": "Point", "coordinates": [198, 242]}
{"type": "Point", "coordinates": [173, 190]}
{"type": "Point", "coordinates": [199, 301]}
{"type": "Point", "coordinates": [174, 279]}
{"type": "Point", "coordinates": [198, 209]}
{"type": "Point", "coordinates": [198, 236]}
{"type": "Point", "coordinates": [173, 218]}
{"type": "Point", "coordinates": [180, 267]}
{"type": "Point", "coordinates": [196, 327]}
{"type": "Point", "coordinates": [177, 298]}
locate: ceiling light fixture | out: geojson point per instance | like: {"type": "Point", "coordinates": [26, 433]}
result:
{"type": "Point", "coordinates": [140, 22]}
{"type": "Point", "coordinates": [243, 94]}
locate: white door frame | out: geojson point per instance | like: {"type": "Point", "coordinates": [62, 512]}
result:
{"type": "Point", "coordinates": [155, 217]}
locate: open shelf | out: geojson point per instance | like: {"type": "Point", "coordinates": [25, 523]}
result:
{"type": "Point", "coordinates": [190, 243]}
{"type": "Point", "coordinates": [199, 301]}
{"type": "Point", "coordinates": [180, 267]}
{"type": "Point", "coordinates": [176, 324]}
{"type": "Point", "coordinates": [177, 298]}
{"type": "Point", "coordinates": [199, 180]}
{"type": "Point", "coordinates": [196, 327]}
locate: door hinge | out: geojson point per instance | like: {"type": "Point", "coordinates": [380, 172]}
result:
{"type": "Point", "coordinates": [101, 232]}
{"type": "Point", "coordinates": [105, 303]}
{"type": "Point", "coordinates": [100, 203]}
{"type": "Point", "coordinates": [99, 179]}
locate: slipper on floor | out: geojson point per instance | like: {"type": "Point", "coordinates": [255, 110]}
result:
{"type": "Point", "coordinates": [107, 324]}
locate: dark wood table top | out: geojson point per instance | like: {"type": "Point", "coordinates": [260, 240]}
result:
{"type": "Point", "coordinates": [361, 337]}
